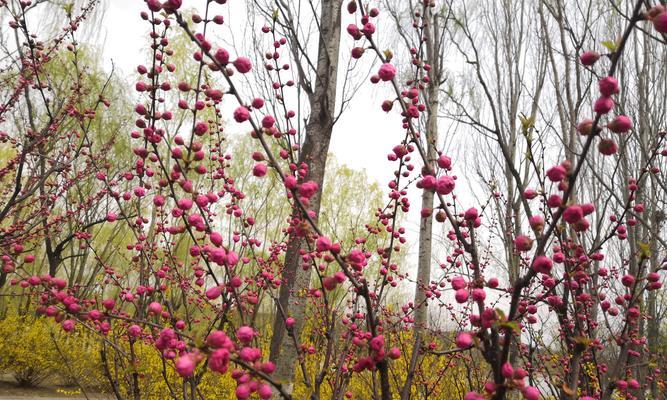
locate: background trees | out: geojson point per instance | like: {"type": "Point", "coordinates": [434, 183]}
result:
{"type": "Point", "coordinates": [195, 231]}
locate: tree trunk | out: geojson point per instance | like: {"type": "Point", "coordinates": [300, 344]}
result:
{"type": "Point", "coordinates": [314, 153]}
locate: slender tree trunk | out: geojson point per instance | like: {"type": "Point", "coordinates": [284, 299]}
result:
{"type": "Point", "coordinates": [314, 153]}
{"type": "Point", "coordinates": [425, 246]}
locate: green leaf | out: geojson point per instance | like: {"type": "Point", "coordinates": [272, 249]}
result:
{"type": "Point", "coordinates": [68, 8]}
{"type": "Point", "coordinates": [644, 250]}
{"type": "Point", "coordinates": [611, 46]}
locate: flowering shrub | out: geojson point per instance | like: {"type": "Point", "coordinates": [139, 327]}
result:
{"type": "Point", "coordinates": [190, 244]}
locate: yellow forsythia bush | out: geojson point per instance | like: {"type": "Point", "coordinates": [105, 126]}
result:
{"type": "Point", "coordinates": [36, 350]}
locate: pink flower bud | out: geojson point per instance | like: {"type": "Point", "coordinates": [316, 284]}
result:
{"type": "Point", "coordinates": [243, 65]}
{"type": "Point", "coordinates": [222, 56]}
{"type": "Point", "coordinates": [660, 22]}
{"type": "Point", "coordinates": [608, 86]}
{"type": "Point", "coordinates": [458, 282]}
{"type": "Point", "coordinates": [620, 124]}
{"type": "Point", "coordinates": [531, 393]}
{"type": "Point", "coordinates": [607, 147]}
{"type": "Point", "coordinates": [603, 105]}
{"type": "Point", "coordinates": [155, 308]}
{"type": "Point", "coordinates": [445, 185]}
{"type": "Point", "coordinates": [444, 162]}
{"type": "Point", "coordinates": [585, 127]}
{"type": "Point", "coordinates": [507, 370]}
{"type": "Point", "coordinates": [461, 296]}
{"type": "Point", "coordinates": [394, 353]}
{"type": "Point", "coordinates": [259, 170]}
{"type": "Point", "coordinates": [463, 340]}
{"type": "Point", "coordinates": [523, 243]}
{"type": "Point", "coordinates": [245, 334]}
{"type": "Point", "coordinates": [185, 365]}
{"type": "Point", "coordinates": [241, 114]}
{"type": "Point", "coordinates": [589, 58]}
{"type": "Point", "coordinates": [556, 173]}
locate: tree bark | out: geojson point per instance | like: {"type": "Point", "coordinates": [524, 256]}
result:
{"type": "Point", "coordinates": [314, 153]}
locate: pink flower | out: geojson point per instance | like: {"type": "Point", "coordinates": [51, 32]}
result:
{"type": "Point", "coordinates": [245, 334]}
{"type": "Point", "coordinates": [428, 182]}
{"type": "Point", "coordinates": [222, 56]}
{"type": "Point", "coordinates": [531, 393]}
{"type": "Point", "coordinates": [154, 308]}
{"type": "Point", "coordinates": [542, 264]}
{"type": "Point", "coordinates": [529, 194]}
{"type": "Point", "coordinates": [620, 124]}
{"type": "Point", "coordinates": [213, 293]}
{"type": "Point", "coordinates": [308, 189]}
{"type": "Point", "coordinates": [463, 340]}
{"type": "Point", "coordinates": [109, 304]}
{"type": "Point", "coordinates": [445, 185]}
{"type": "Point", "coordinates": [471, 214]}
{"type": "Point", "coordinates": [290, 182]}
{"type": "Point", "coordinates": [608, 86]}
{"type": "Point", "coordinates": [554, 201]}
{"type": "Point", "coordinates": [242, 392]}
{"type": "Point", "coordinates": [354, 31]}
{"type": "Point", "coordinates": [250, 354]}
{"type": "Point", "coordinates": [329, 283]}
{"type": "Point", "coordinates": [218, 361]}
{"type": "Point", "coordinates": [589, 58]}
{"type": "Point", "coordinates": [377, 343]}
{"type": "Point", "coordinates": [172, 5]}
{"type": "Point", "coordinates": [134, 330]}
{"type": "Point", "coordinates": [264, 391]}
{"type": "Point", "coordinates": [241, 114]}
{"type": "Point", "coordinates": [461, 296]}
{"type": "Point", "coordinates": [478, 294]}
{"type": "Point", "coordinates": [585, 127]}
{"type": "Point", "coordinates": [573, 214]}
{"type": "Point", "coordinates": [68, 325]}
{"type": "Point", "coordinates": [628, 280]}
{"type": "Point", "coordinates": [603, 105]}
{"type": "Point", "coordinates": [268, 121]}
{"type": "Point", "coordinates": [184, 204]}
{"type": "Point", "coordinates": [217, 339]}
{"type": "Point", "coordinates": [458, 282]}
{"type": "Point", "coordinates": [556, 173]}
{"type": "Point", "coordinates": [444, 162]}
{"type": "Point", "coordinates": [243, 65]}
{"type": "Point", "coordinates": [323, 243]}
{"type": "Point", "coordinates": [523, 243]}
{"type": "Point", "coordinates": [216, 238]}
{"type": "Point", "coordinates": [507, 370]}
{"type": "Point", "coordinates": [387, 72]}
{"type": "Point", "coordinates": [185, 365]}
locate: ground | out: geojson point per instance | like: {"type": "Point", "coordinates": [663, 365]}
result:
{"type": "Point", "coordinates": [9, 390]}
